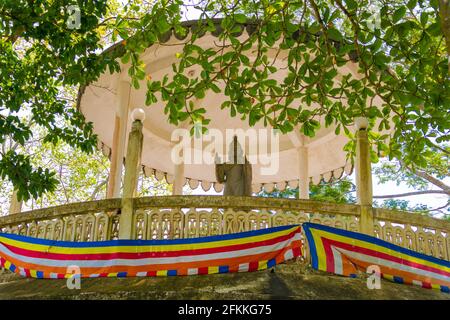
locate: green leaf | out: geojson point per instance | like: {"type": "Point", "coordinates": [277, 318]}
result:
{"type": "Point", "coordinates": [334, 34]}
{"type": "Point", "coordinates": [240, 18]}
{"type": "Point", "coordinates": [412, 4]}
{"type": "Point", "coordinates": [399, 14]}
{"type": "Point", "coordinates": [423, 18]}
{"type": "Point", "coordinates": [351, 5]}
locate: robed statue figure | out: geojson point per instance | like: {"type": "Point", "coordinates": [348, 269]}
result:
{"type": "Point", "coordinates": [236, 173]}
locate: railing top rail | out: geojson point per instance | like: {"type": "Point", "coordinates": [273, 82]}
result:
{"type": "Point", "coordinates": [61, 211]}
{"type": "Point", "coordinates": [246, 203]}
{"type": "Point", "coordinates": [415, 219]}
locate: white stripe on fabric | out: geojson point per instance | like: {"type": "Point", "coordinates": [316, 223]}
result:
{"type": "Point", "coordinates": [192, 271]}
{"type": "Point", "coordinates": [288, 255]}
{"type": "Point", "coordinates": [417, 282]}
{"type": "Point", "coordinates": [243, 267]}
{"type": "Point", "coordinates": [141, 274]}
{"type": "Point", "coordinates": [338, 268]}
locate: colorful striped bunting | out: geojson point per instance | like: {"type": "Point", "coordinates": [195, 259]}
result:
{"type": "Point", "coordinates": [345, 253]}
{"type": "Point", "coordinates": [239, 252]}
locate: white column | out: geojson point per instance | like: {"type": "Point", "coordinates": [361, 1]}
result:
{"type": "Point", "coordinates": [303, 179]}
{"type": "Point", "coordinates": [119, 139]}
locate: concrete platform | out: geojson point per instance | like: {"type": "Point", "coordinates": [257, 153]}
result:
{"type": "Point", "coordinates": [289, 281]}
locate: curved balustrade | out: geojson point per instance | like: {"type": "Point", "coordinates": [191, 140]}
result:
{"type": "Point", "coordinates": [174, 217]}
{"type": "Point", "coordinates": [84, 221]}
{"type": "Point", "coordinates": [413, 231]}
{"type": "Point", "coordinates": [196, 216]}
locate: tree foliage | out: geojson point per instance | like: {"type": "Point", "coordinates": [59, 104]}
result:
{"type": "Point", "coordinates": [79, 176]}
{"type": "Point", "coordinates": [401, 48]}
{"type": "Point", "coordinates": [339, 191]}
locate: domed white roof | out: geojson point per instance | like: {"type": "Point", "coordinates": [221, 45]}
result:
{"type": "Point", "coordinates": [99, 103]}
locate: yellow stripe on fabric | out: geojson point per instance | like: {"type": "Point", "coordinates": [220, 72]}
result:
{"type": "Point", "coordinates": [360, 243]}
{"type": "Point", "coordinates": [33, 273]}
{"type": "Point", "coordinates": [388, 276]}
{"type": "Point", "coordinates": [112, 274]}
{"type": "Point", "coordinates": [436, 286]}
{"type": "Point", "coordinates": [320, 250]}
{"type": "Point", "coordinates": [213, 270]}
{"type": "Point", "coordinates": [7, 264]}
{"type": "Point", "coordinates": [262, 265]}
{"type": "Point", "coordinates": [138, 249]}
{"type": "Point", "coordinates": [161, 273]}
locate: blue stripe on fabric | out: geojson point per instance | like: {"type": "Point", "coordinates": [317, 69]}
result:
{"type": "Point", "coordinates": [121, 274]}
{"type": "Point", "coordinates": [122, 242]}
{"type": "Point", "coordinates": [39, 274]}
{"type": "Point", "coordinates": [312, 244]}
{"type": "Point", "coordinates": [271, 263]}
{"type": "Point", "coordinates": [12, 267]}
{"type": "Point", "coordinates": [445, 289]}
{"type": "Point", "coordinates": [171, 273]}
{"type": "Point", "coordinates": [223, 269]}
{"type": "Point", "coordinates": [398, 279]}
{"type": "Point", "coordinates": [370, 239]}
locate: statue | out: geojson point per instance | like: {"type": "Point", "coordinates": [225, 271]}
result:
{"type": "Point", "coordinates": [237, 173]}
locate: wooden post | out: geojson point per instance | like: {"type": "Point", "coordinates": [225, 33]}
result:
{"type": "Point", "coordinates": [132, 169]}
{"type": "Point", "coordinates": [303, 179]}
{"type": "Point", "coordinates": [119, 138]}
{"type": "Point", "coordinates": [178, 180]}
{"type": "Point", "coordinates": [114, 187]}
{"type": "Point", "coordinates": [364, 177]}
{"type": "Point", "coordinates": [15, 204]}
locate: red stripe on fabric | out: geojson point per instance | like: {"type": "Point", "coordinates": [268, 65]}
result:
{"type": "Point", "coordinates": [296, 251]}
{"type": "Point", "coordinates": [329, 257]}
{"type": "Point", "coordinates": [203, 270]}
{"type": "Point", "coordinates": [382, 255]}
{"type": "Point", "coordinates": [143, 255]}
{"type": "Point", "coordinates": [253, 266]}
{"type": "Point", "coordinates": [426, 285]}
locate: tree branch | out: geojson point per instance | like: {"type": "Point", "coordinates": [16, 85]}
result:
{"type": "Point", "coordinates": [413, 193]}
{"type": "Point", "coordinates": [428, 177]}
{"type": "Point", "coordinates": [438, 183]}
{"type": "Point", "coordinates": [97, 188]}
{"type": "Point", "coordinates": [439, 209]}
